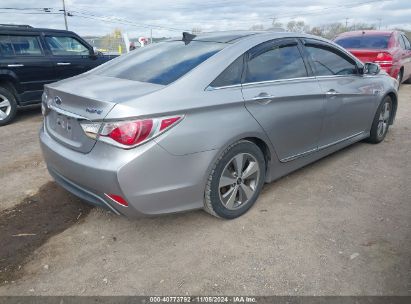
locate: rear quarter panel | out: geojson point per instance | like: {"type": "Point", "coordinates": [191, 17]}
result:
{"type": "Point", "coordinates": [224, 121]}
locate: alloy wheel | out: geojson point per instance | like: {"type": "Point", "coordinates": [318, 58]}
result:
{"type": "Point", "coordinates": [5, 107]}
{"type": "Point", "coordinates": [383, 120]}
{"type": "Point", "coordinates": [239, 181]}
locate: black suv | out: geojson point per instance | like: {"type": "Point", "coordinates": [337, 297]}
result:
{"type": "Point", "coordinates": [31, 57]}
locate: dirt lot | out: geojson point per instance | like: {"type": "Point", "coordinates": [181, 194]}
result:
{"type": "Point", "coordinates": [340, 226]}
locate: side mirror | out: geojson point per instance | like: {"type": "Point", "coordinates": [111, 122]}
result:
{"type": "Point", "coordinates": [94, 52]}
{"type": "Point", "coordinates": [371, 68]}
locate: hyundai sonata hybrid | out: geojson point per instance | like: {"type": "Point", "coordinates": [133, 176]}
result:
{"type": "Point", "coordinates": [204, 121]}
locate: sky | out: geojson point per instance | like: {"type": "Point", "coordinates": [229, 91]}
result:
{"type": "Point", "coordinates": [170, 17]}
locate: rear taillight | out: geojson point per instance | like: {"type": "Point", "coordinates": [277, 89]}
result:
{"type": "Point", "coordinates": [384, 59]}
{"type": "Point", "coordinates": [129, 134]}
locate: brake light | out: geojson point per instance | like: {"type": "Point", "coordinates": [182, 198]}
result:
{"type": "Point", "coordinates": [384, 59]}
{"type": "Point", "coordinates": [129, 134]}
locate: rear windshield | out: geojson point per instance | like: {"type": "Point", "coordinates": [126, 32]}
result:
{"type": "Point", "coordinates": [364, 42]}
{"type": "Point", "coordinates": [162, 63]}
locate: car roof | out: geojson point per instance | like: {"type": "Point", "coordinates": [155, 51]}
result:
{"type": "Point", "coordinates": [366, 33]}
{"type": "Point", "coordinates": [29, 29]}
{"type": "Point", "coordinates": [224, 36]}
{"type": "Point", "coordinates": [235, 36]}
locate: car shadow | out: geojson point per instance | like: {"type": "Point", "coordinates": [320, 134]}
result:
{"type": "Point", "coordinates": [28, 113]}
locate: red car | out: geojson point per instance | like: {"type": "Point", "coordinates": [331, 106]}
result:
{"type": "Point", "coordinates": [390, 49]}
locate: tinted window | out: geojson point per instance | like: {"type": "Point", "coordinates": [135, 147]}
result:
{"type": "Point", "coordinates": [231, 75]}
{"type": "Point", "coordinates": [364, 42]}
{"type": "Point", "coordinates": [6, 49]}
{"type": "Point", "coordinates": [330, 62]}
{"type": "Point", "coordinates": [25, 45]}
{"type": "Point", "coordinates": [66, 46]}
{"type": "Point", "coordinates": [401, 41]}
{"type": "Point", "coordinates": [278, 62]}
{"type": "Point", "coordinates": [161, 63]}
{"type": "Point", "coordinates": [407, 42]}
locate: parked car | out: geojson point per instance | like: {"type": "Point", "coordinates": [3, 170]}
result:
{"type": "Point", "coordinates": [210, 120]}
{"type": "Point", "coordinates": [32, 57]}
{"type": "Point", "coordinates": [390, 49]}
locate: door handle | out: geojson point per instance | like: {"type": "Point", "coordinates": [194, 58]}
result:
{"type": "Point", "coordinates": [263, 97]}
{"type": "Point", "coordinates": [63, 63]}
{"type": "Point", "coordinates": [15, 65]}
{"type": "Point", "coordinates": [331, 92]}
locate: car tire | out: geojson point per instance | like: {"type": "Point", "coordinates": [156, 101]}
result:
{"type": "Point", "coordinates": [8, 106]}
{"type": "Point", "coordinates": [381, 121]}
{"type": "Point", "coordinates": [399, 79]}
{"type": "Point", "coordinates": [232, 189]}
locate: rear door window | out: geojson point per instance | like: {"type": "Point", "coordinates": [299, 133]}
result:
{"type": "Point", "coordinates": [329, 61]}
{"type": "Point", "coordinates": [406, 42]}
{"type": "Point", "coordinates": [26, 45]}
{"type": "Point", "coordinates": [282, 61]}
{"type": "Point", "coordinates": [6, 49]}
{"type": "Point", "coordinates": [401, 41]}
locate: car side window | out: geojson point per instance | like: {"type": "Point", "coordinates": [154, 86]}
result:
{"type": "Point", "coordinates": [275, 63]}
{"type": "Point", "coordinates": [401, 41]}
{"type": "Point", "coordinates": [328, 61]}
{"type": "Point", "coordinates": [231, 75]}
{"type": "Point", "coordinates": [406, 42]}
{"type": "Point", "coordinates": [25, 45]}
{"type": "Point", "coordinates": [6, 49]}
{"type": "Point", "coordinates": [66, 46]}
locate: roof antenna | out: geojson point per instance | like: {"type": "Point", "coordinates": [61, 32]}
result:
{"type": "Point", "coordinates": [187, 37]}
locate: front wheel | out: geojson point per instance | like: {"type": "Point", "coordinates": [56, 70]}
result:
{"type": "Point", "coordinates": [8, 106]}
{"type": "Point", "coordinates": [235, 181]}
{"type": "Point", "coordinates": [381, 121]}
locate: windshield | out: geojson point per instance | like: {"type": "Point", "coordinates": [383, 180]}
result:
{"type": "Point", "coordinates": [364, 42]}
{"type": "Point", "coordinates": [162, 63]}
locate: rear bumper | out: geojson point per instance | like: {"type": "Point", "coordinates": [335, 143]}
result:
{"type": "Point", "coordinates": [80, 192]}
{"type": "Point", "coordinates": [149, 178]}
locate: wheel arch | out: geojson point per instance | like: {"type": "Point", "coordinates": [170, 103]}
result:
{"type": "Point", "coordinates": [262, 143]}
{"type": "Point", "coordinates": [10, 83]}
{"type": "Point", "coordinates": [394, 99]}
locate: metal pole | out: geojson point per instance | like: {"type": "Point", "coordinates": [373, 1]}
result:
{"type": "Point", "coordinates": [151, 36]}
{"type": "Point", "coordinates": [65, 15]}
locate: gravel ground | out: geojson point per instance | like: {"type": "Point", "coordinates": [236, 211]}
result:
{"type": "Point", "coordinates": [340, 226]}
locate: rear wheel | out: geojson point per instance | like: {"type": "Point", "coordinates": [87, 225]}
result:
{"type": "Point", "coordinates": [235, 181]}
{"type": "Point", "coordinates": [8, 106]}
{"type": "Point", "coordinates": [381, 121]}
{"type": "Point", "coordinates": [399, 79]}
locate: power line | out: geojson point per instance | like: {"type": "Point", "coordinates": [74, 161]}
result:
{"type": "Point", "coordinates": [124, 21]}
{"type": "Point", "coordinates": [319, 11]}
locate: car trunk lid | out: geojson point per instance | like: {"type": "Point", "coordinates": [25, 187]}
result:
{"type": "Point", "coordinates": [84, 99]}
{"type": "Point", "coordinates": [382, 57]}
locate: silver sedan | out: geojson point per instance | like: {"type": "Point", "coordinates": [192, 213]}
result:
{"type": "Point", "coordinates": [204, 121]}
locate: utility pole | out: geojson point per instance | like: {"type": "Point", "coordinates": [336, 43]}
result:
{"type": "Point", "coordinates": [151, 36]}
{"type": "Point", "coordinates": [346, 22]}
{"type": "Point", "coordinates": [65, 14]}
{"type": "Point", "coordinates": [379, 25]}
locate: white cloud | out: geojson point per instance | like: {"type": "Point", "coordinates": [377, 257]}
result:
{"type": "Point", "coordinates": [209, 15]}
